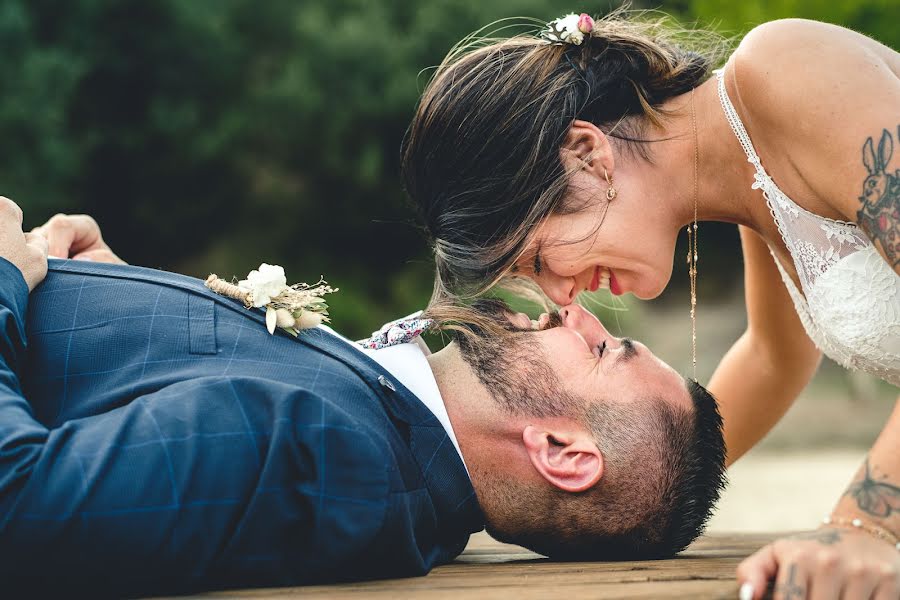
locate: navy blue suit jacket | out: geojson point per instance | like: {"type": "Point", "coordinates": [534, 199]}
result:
{"type": "Point", "coordinates": [154, 436]}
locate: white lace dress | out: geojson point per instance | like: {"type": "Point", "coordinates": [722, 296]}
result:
{"type": "Point", "coordinates": [850, 298]}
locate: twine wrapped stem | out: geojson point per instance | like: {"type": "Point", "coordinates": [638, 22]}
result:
{"type": "Point", "coordinates": [229, 290]}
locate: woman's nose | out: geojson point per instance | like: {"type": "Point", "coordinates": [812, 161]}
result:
{"type": "Point", "coordinates": [562, 290]}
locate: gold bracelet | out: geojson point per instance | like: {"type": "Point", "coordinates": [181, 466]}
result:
{"type": "Point", "coordinates": [857, 523]}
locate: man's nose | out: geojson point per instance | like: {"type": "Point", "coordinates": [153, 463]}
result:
{"type": "Point", "coordinates": [589, 326]}
{"type": "Point", "coordinates": [572, 316]}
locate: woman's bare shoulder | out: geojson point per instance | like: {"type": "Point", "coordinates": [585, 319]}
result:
{"type": "Point", "coordinates": [792, 66]}
{"type": "Point", "coordinates": [813, 94]}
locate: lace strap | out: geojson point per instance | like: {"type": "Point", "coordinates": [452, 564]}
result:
{"type": "Point", "coordinates": [736, 125]}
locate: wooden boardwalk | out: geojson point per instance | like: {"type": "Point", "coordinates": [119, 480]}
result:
{"type": "Point", "coordinates": [489, 569]}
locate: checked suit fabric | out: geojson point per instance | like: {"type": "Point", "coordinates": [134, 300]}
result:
{"type": "Point", "coordinates": [155, 437]}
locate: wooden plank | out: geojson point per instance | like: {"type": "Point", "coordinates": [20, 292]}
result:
{"type": "Point", "coordinates": [489, 569]}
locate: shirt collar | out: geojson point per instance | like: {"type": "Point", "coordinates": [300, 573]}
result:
{"type": "Point", "coordinates": [408, 364]}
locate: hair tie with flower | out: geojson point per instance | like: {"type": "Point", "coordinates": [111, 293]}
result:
{"type": "Point", "coordinates": [569, 29]}
{"type": "Point", "coordinates": [290, 307]}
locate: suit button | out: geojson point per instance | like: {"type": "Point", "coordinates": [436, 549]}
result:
{"type": "Point", "coordinates": [385, 383]}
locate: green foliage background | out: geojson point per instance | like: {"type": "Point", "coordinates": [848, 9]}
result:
{"type": "Point", "coordinates": [210, 135]}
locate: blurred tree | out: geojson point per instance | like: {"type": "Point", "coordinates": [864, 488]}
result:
{"type": "Point", "coordinates": [875, 18]}
{"type": "Point", "coordinates": [211, 135]}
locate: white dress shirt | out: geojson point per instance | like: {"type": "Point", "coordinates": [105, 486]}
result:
{"type": "Point", "coordinates": [408, 364]}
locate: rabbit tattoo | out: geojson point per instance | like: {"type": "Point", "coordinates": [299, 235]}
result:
{"type": "Point", "coordinates": [879, 216]}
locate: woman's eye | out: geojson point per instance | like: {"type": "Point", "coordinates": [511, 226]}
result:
{"type": "Point", "coordinates": [538, 267]}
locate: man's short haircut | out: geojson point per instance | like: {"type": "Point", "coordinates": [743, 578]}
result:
{"type": "Point", "coordinates": [664, 472]}
{"type": "Point", "coordinates": [664, 464]}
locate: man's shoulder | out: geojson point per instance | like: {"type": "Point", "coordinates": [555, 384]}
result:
{"type": "Point", "coordinates": [64, 270]}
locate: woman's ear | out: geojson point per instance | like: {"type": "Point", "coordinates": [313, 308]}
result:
{"type": "Point", "coordinates": [588, 148]}
{"type": "Point", "coordinates": [566, 457]}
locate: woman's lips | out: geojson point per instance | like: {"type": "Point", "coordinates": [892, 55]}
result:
{"type": "Point", "coordinates": [614, 286]}
{"type": "Point", "coordinates": [595, 280]}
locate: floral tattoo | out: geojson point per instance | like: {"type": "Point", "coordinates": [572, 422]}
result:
{"type": "Point", "coordinates": [877, 498]}
{"type": "Point", "coordinates": [879, 215]}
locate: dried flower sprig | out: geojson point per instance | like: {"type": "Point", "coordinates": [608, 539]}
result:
{"type": "Point", "coordinates": [290, 307]}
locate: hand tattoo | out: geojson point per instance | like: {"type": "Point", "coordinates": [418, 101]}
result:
{"type": "Point", "coordinates": [790, 589]}
{"type": "Point", "coordinates": [879, 216]}
{"type": "Point", "coordinates": [826, 537]}
{"type": "Point", "coordinates": [876, 498]}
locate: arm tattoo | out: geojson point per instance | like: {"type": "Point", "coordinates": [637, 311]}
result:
{"type": "Point", "coordinates": [790, 589]}
{"type": "Point", "coordinates": [876, 498]}
{"type": "Point", "coordinates": [879, 216]}
{"type": "Point", "coordinates": [826, 537]}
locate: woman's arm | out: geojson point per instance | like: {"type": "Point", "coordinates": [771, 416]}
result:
{"type": "Point", "coordinates": [771, 363]}
{"type": "Point", "coordinates": [816, 94]}
{"type": "Point", "coordinates": [842, 560]}
{"type": "Point", "coordinates": [874, 495]}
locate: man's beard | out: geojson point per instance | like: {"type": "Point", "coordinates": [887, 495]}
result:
{"type": "Point", "coordinates": [516, 374]}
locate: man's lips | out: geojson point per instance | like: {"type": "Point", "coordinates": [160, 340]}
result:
{"type": "Point", "coordinates": [595, 280]}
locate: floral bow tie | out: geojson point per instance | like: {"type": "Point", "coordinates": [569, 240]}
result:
{"type": "Point", "coordinates": [398, 332]}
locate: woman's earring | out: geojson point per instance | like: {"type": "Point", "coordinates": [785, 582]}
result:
{"type": "Point", "coordinates": [610, 191]}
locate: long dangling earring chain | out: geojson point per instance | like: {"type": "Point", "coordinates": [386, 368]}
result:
{"type": "Point", "coordinates": [693, 254]}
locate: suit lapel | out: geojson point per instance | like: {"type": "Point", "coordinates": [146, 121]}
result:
{"type": "Point", "coordinates": [445, 475]}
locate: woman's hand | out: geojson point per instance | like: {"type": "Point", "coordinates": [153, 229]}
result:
{"type": "Point", "coordinates": [77, 237]}
{"type": "Point", "coordinates": [831, 563]}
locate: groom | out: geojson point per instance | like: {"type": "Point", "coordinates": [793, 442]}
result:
{"type": "Point", "coordinates": [155, 438]}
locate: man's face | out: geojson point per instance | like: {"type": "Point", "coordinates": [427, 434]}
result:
{"type": "Point", "coordinates": [591, 363]}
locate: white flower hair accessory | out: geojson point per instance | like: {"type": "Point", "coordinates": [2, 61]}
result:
{"type": "Point", "coordinates": [290, 307]}
{"type": "Point", "coordinates": [569, 29]}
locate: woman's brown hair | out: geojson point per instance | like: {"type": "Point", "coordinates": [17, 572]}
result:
{"type": "Point", "coordinates": [481, 159]}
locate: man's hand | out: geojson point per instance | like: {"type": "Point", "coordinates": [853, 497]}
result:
{"type": "Point", "coordinates": [77, 237]}
{"type": "Point", "coordinates": [830, 563]}
{"type": "Point", "coordinates": [26, 251]}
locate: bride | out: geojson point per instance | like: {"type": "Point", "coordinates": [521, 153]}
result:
{"type": "Point", "coordinates": [575, 157]}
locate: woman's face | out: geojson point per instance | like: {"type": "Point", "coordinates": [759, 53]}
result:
{"type": "Point", "coordinates": [624, 244]}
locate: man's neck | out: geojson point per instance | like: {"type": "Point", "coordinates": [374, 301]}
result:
{"type": "Point", "coordinates": [490, 440]}
{"type": "Point", "coordinates": [479, 426]}
{"type": "Point", "coordinates": [463, 394]}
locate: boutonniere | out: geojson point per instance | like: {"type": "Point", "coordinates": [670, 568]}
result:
{"type": "Point", "coordinates": [291, 307]}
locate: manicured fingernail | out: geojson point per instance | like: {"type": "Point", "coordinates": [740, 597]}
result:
{"type": "Point", "coordinates": [746, 592]}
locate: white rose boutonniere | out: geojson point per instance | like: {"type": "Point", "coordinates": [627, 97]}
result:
{"type": "Point", "coordinates": [264, 283]}
{"type": "Point", "coordinates": [290, 307]}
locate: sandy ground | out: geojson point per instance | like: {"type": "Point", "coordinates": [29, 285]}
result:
{"type": "Point", "coordinates": [784, 491]}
